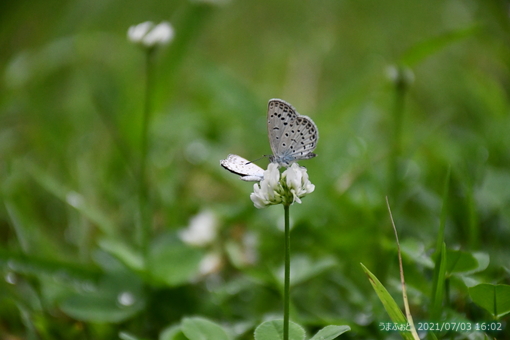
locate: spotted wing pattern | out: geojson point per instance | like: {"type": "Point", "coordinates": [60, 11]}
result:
{"type": "Point", "coordinates": [292, 137]}
{"type": "Point", "coordinates": [248, 171]}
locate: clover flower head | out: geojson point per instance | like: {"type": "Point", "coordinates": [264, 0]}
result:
{"type": "Point", "coordinates": [149, 35]}
{"type": "Point", "coordinates": [297, 181]}
{"type": "Point", "coordinates": [286, 188]}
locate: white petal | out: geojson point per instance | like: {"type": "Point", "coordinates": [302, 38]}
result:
{"type": "Point", "coordinates": [137, 32]}
{"type": "Point", "coordinates": [161, 34]}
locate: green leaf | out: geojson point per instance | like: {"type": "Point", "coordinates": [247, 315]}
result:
{"type": "Point", "coordinates": [173, 332]}
{"type": "Point", "coordinates": [495, 191]}
{"type": "Point", "coordinates": [302, 268]}
{"type": "Point", "coordinates": [483, 262]}
{"type": "Point", "coordinates": [493, 298]}
{"type": "Point", "coordinates": [330, 332]}
{"type": "Point", "coordinates": [123, 253]}
{"type": "Point", "coordinates": [202, 329]}
{"type": "Point", "coordinates": [415, 251]}
{"type": "Point", "coordinates": [117, 298]}
{"type": "Point", "coordinates": [128, 336]}
{"type": "Point", "coordinates": [273, 330]}
{"type": "Point", "coordinates": [173, 262]}
{"type": "Point", "coordinates": [388, 302]}
{"type": "Point", "coordinates": [458, 261]}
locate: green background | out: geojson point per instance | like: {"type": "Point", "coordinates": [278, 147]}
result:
{"type": "Point", "coordinates": [401, 91]}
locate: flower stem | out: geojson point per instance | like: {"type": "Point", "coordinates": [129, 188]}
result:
{"type": "Point", "coordinates": [402, 83]}
{"type": "Point", "coordinates": [143, 187]}
{"type": "Point", "coordinates": [286, 289]}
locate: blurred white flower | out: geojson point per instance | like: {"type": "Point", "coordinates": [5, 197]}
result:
{"type": "Point", "coordinates": [288, 188]}
{"type": "Point", "coordinates": [211, 263]}
{"type": "Point", "coordinates": [74, 199]}
{"type": "Point", "coordinates": [137, 32]}
{"type": "Point", "coordinates": [400, 75]}
{"type": "Point", "coordinates": [150, 35]}
{"type": "Point", "coordinates": [202, 229]}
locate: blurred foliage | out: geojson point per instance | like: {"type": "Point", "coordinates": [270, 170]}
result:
{"type": "Point", "coordinates": [401, 91]}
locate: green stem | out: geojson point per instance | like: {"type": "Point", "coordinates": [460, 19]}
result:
{"type": "Point", "coordinates": [286, 289]}
{"type": "Point", "coordinates": [401, 85]}
{"type": "Point", "coordinates": [143, 187]}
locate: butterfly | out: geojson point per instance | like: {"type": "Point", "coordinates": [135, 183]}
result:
{"type": "Point", "coordinates": [292, 137]}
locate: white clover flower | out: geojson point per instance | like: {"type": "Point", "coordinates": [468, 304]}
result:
{"type": "Point", "coordinates": [202, 229]}
{"type": "Point", "coordinates": [297, 182]}
{"type": "Point", "coordinates": [150, 35]}
{"type": "Point", "coordinates": [267, 191]}
{"type": "Point", "coordinates": [288, 188]}
{"type": "Point", "coordinates": [210, 263]}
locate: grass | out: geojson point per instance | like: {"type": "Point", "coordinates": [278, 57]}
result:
{"type": "Point", "coordinates": [71, 110]}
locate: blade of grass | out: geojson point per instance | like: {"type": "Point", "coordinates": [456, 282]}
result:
{"type": "Point", "coordinates": [389, 303]}
{"type": "Point", "coordinates": [402, 80]}
{"type": "Point", "coordinates": [402, 279]}
{"type": "Point", "coordinates": [68, 196]}
{"type": "Point", "coordinates": [439, 256]}
{"type": "Point", "coordinates": [442, 221]}
{"type": "Point", "coordinates": [438, 284]}
{"type": "Point", "coordinates": [429, 47]}
{"type": "Point", "coordinates": [34, 265]}
{"type": "Point", "coordinates": [474, 232]}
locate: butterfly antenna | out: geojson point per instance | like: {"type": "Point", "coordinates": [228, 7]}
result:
{"type": "Point", "coordinates": [258, 159]}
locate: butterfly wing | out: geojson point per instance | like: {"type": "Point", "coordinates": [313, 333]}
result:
{"type": "Point", "coordinates": [248, 171]}
{"type": "Point", "coordinates": [291, 136]}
